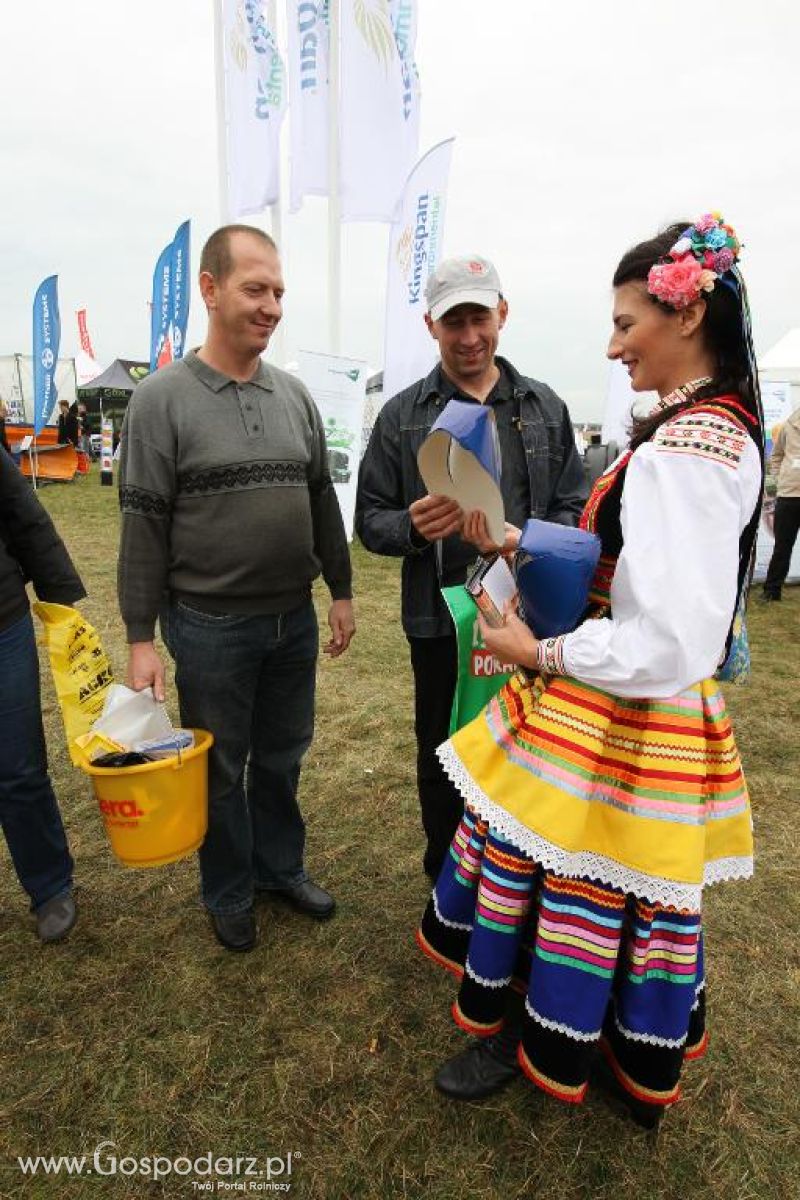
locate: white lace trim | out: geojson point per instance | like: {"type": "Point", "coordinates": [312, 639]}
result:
{"type": "Point", "coordinates": [577, 1035]}
{"type": "Point", "coordinates": [701, 987]}
{"type": "Point", "coordinates": [723, 869]}
{"type": "Point", "coordinates": [444, 921]}
{"type": "Point", "coordinates": [650, 1038]}
{"type": "Point", "coordinates": [584, 864]}
{"type": "Point", "coordinates": [490, 983]}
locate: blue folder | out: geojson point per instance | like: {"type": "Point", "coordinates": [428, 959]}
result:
{"type": "Point", "coordinates": [472, 427]}
{"type": "Point", "coordinates": [554, 567]}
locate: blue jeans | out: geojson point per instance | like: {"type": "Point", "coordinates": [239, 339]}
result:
{"type": "Point", "coordinates": [251, 682]}
{"type": "Point", "coordinates": [29, 813]}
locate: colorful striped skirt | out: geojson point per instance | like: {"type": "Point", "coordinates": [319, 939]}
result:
{"type": "Point", "coordinates": [598, 969]}
{"type": "Point", "coordinates": [645, 795]}
{"type": "Point", "coordinates": [575, 880]}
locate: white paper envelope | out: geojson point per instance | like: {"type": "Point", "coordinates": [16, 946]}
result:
{"type": "Point", "coordinates": [460, 458]}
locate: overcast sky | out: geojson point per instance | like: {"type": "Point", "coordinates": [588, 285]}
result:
{"type": "Point", "coordinates": [581, 127]}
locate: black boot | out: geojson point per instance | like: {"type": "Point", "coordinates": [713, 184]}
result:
{"type": "Point", "coordinates": [646, 1116]}
{"type": "Point", "coordinates": [485, 1067]}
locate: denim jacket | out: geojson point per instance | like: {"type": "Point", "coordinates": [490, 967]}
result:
{"type": "Point", "coordinates": [389, 482]}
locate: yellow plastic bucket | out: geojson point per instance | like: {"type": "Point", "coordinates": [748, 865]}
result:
{"type": "Point", "coordinates": [155, 813]}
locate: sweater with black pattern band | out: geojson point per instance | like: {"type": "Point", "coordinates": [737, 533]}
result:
{"type": "Point", "coordinates": [226, 496]}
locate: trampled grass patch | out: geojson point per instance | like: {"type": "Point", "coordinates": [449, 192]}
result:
{"type": "Point", "coordinates": [142, 1031]}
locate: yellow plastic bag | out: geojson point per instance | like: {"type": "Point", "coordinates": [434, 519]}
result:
{"type": "Point", "coordinates": [81, 670]}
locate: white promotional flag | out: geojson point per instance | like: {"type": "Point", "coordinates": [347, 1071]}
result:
{"type": "Point", "coordinates": [309, 40]}
{"type": "Point", "coordinates": [255, 101]}
{"type": "Point", "coordinates": [414, 252]}
{"type": "Point", "coordinates": [86, 368]}
{"type": "Point", "coordinates": [338, 386]}
{"type": "Point", "coordinates": [404, 21]}
{"type": "Point", "coordinates": [378, 125]}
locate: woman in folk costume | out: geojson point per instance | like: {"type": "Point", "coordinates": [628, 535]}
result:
{"type": "Point", "coordinates": [603, 786]}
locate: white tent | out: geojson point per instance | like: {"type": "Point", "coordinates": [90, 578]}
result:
{"type": "Point", "coordinates": [782, 362]}
{"type": "Point", "coordinates": [16, 385]}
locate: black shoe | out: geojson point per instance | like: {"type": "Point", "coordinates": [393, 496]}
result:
{"type": "Point", "coordinates": [55, 918]}
{"type": "Point", "coordinates": [307, 898]}
{"type": "Point", "coordinates": [479, 1071]}
{"type": "Point", "coordinates": [236, 931]}
{"type": "Point", "coordinates": [646, 1116]}
{"type": "Point", "coordinates": [766, 597]}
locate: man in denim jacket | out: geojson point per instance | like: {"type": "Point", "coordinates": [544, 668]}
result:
{"type": "Point", "coordinates": [542, 476]}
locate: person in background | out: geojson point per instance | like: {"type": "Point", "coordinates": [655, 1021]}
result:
{"type": "Point", "coordinates": [84, 431]}
{"type": "Point", "coordinates": [3, 418]}
{"type": "Point", "coordinates": [785, 463]}
{"type": "Point", "coordinates": [603, 787]}
{"type": "Point", "coordinates": [542, 476]}
{"type": "Point", "coordinates": [68, 430]}
{"type": "Point", "coordinates": [228, 515]}
{"type": "Point", "coordinates": [30, 549]}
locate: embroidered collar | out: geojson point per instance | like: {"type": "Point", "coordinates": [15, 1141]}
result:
{"type": "Point", "coordinates": [681, 393]}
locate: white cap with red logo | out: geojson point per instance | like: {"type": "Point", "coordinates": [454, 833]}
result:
{"type": "Point", "coordinates": [469, 280]}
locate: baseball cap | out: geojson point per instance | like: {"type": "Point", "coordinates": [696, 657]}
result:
{"type": "Point", "coordinates": [469, 280]}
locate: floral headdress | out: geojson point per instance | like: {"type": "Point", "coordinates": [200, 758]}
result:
{"type": "Point", "coordinates": [703, 253]}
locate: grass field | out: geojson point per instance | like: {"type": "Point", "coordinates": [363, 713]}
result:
{"type": "Point", "coordinates": [142, 1031]}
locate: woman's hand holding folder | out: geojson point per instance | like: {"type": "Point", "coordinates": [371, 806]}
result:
{"type": "Point", "coordinates": [512, 641]}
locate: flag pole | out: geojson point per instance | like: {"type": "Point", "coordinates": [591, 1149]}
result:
{"type": "Point", "coordinates": [278, 339]}
{"type": "Point", "coordinates": [334, 204]}
{"type": "Point", "coordinates": [222, 146]}
{"type": "Point", "coordinates": [22, 408]}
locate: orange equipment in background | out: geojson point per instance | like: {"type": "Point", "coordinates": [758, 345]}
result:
{"type": "Point", "coordinates": [54, 462]}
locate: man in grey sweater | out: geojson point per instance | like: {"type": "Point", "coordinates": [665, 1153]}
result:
{"type": "Point", "coordinates": [228, 515]}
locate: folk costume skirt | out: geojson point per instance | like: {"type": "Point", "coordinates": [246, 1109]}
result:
{"type": "Point", "coordinates": [592, 824]}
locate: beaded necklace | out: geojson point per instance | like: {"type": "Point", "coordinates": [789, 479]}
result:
{"type": "Point", "coordinates": [682, 393]}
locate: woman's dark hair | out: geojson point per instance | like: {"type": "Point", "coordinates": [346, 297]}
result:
{"type": "Point", "coordinates": [723, 328]}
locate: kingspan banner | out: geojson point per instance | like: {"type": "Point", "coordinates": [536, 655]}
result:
{"type": "Point", "coordinates": [379, 106]}
{"type": "Point", "coordinates": [255, 103]}
{"type": "Point", "coordinates": [309, 45]}
{"type": "Point", "coordinates": [414, 251]}
{"type": "Point", "coordinates": [46, 339]}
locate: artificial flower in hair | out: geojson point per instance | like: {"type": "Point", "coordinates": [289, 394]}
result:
{"type": "Point", "coordinates": [705, 223]}
{"type": "Point", "coordinates": [703, 252]}
{"type": "Point", "coordinates": [673, 282]}
{"type": "Point", "coordinates": [724, 260]}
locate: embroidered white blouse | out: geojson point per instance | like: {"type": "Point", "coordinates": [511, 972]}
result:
{"type": "Point", "coordinates": [687, 497]}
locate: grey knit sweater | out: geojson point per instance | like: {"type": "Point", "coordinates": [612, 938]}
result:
{"type": "Point", "coordinates": [226, 497]}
